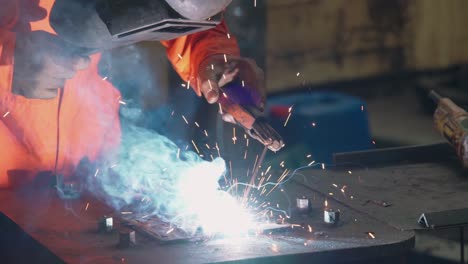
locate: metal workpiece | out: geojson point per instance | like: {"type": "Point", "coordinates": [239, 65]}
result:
{"type": "Point", "coordinates": [307, 239]}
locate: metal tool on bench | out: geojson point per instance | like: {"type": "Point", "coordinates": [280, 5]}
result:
{"type": "Point", "coordinates": [452, 122]}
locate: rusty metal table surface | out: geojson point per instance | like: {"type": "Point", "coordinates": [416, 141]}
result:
{"type": "Point", "coordinates": [68, 230]}
{"type": "Point", "coordinates": [406, 190]}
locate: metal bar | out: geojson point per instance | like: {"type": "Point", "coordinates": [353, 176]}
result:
{"type": "Point", "coordinates": [421, 153]}
{"type": "Point", "coordinates": [462, 245]}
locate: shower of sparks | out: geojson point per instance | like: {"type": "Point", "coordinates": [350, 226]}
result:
{"type": "Point", "coordinates": [6, 114]}
{"type": "Point", "coordinates": [185, 119]}
{"type": "Point", "coordinates": [196, 148]}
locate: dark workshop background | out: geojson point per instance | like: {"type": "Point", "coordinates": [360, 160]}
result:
{"type": "Point", "coordinates": [387, 52]}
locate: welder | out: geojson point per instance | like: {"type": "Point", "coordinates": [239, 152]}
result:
{"type": "Point", "coordinates": [55, 109]}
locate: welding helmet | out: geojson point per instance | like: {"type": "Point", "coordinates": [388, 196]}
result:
{"type": "Point", "coordinates": [198, 9]}
{"type": "Point", "coordinates": [105, 24]}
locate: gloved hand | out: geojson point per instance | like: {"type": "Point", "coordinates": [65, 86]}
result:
{"type": "Point", "coordinates": [43, 63]}
{"type": "Point", "coordinates": [214, 72]}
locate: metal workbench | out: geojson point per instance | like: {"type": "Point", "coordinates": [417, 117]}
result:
{"type": "Point", "coordinates": [65, 232]}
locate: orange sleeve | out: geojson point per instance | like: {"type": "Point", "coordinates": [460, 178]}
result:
{"type": "Point", "coordinates": [187, 52]}
{"type": "Point", "coordinates": [8, 18]}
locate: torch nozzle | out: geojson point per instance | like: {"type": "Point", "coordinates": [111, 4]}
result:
{"type": "Point", "coordinates": [435, 96]}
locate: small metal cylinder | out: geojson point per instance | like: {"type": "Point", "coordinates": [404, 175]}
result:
{"type": "Point", "coordinates": [127, 238]}
{"type": "Point", "coordinates": [106, 224]}
{"type": "Point", "coordinates": [331, 217]}
{"type": "Point", "coordinates": [303, 205]}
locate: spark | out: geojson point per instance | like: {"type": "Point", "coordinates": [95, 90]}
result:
{"type": "Point", "coordinates": [323, 166]}
{"type": "Point", "coordinates": [217, 148]}
{"type": "Point", "coordinates": [207, 146]}
{"type": "Point", "coordinates": [234, 138]}
{"type": "Point", "coordinates": [343, 188]}
{"type": "Point", "coordinates": [331, 194]}
{"type": "Point", "coordinates": [305, 243]}
{"type": "Point", "coordinates": [289, 116]}
{"type": "Point", "coordinates": [274, 248]}
{"type": "Point", "coordinates": [228, 35]}
{"type": "Point", "coordinates": [185, 119]}
{"type": "Point", "coordinates": [178, 153]}
{"type": "Point", "coordinates": [113, 166]}
{"type": "Point", "coordinates": [86, 208]}
{"type": "Point", "coordinates": [335, 185]}
{"type": "Point", "coordinates": [245, 154]}
{"type": "Point", "coordinates": [96, 173]}
{"type": "Point", "coordinates": [326, 203]}
{"type": "Point", "coordinates": [371, 234]}
{"type": "Point", "coordinates": [225, 58]}
{"type": "Point", "coordinates": [212, 67]}
{"type": "Point", "coordinates": [309, 228]}
{"type": "Point", "coordinates": [373, 142]}
{"type": "Point", "coordinates": [206, 133]}
{"type": "Point", "coordinates": [314, 124]}
{"type": "Point", "coordinates": [243, 83]}
{"type": "Point", "coordinates": [197, 124]}
{"type": "Point", "coordinates": [220, 109]}
{"type": "Point", "coordinates": [350, 172]}
{"type": "Point", "coordinates": [6, 114]}
{"type": "Point", "coordinates": [183, 85]}
{"type": "Point", "coordinates": [180, 56]}
{"type": "Point", "coordinates": [362, 107]}
{"type": "Point", "coordinates": [297, 74]}
{"type": "Point", "coordinates": [196, 148]}
{"type": "Point", "coordinates": [105, 78]}
{"type": "Point", "coordinates": [122, 102]}
{"type": "Point", "coordinates": [188, 84]}
{"type": "Point", "coordinates": [247, 142]}
{"type": "Point", "coordinates": [126, 213]}
{"type": "Point", "coordinates": [170, 231]}
{"type": "Point", "coordinates": [255, 3]}
{"type": "Point", "coordinates": [308, 156]}
{"type": "Point", "coordinates": [295, 225]}
{"type": "Point", "coordinates": [310, 164]}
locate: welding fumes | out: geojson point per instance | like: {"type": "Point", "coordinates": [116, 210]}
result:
{"type": "Point", "coordinates": [153, 177]}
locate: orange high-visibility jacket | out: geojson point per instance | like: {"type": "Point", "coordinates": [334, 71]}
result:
{"type": "Point", "coordinates": [41, 135]}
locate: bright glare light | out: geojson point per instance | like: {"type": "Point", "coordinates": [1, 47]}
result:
{"type": "Point", "coordinates": [214, 210]}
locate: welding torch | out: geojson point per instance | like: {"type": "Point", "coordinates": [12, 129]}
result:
{"type": "Point", "coordinates": [237, 100]}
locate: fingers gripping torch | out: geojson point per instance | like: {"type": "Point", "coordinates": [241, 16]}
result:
{"type": "Point", "coordinates": [452, 122]}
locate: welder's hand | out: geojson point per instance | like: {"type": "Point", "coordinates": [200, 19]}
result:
{"type": "Point", "coordinates": [43, 63]}
{"type": "Point", "coordinates": [215, 72]}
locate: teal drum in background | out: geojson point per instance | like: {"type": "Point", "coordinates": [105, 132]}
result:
{"type": "Point", "coordinates": [323, 123]}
